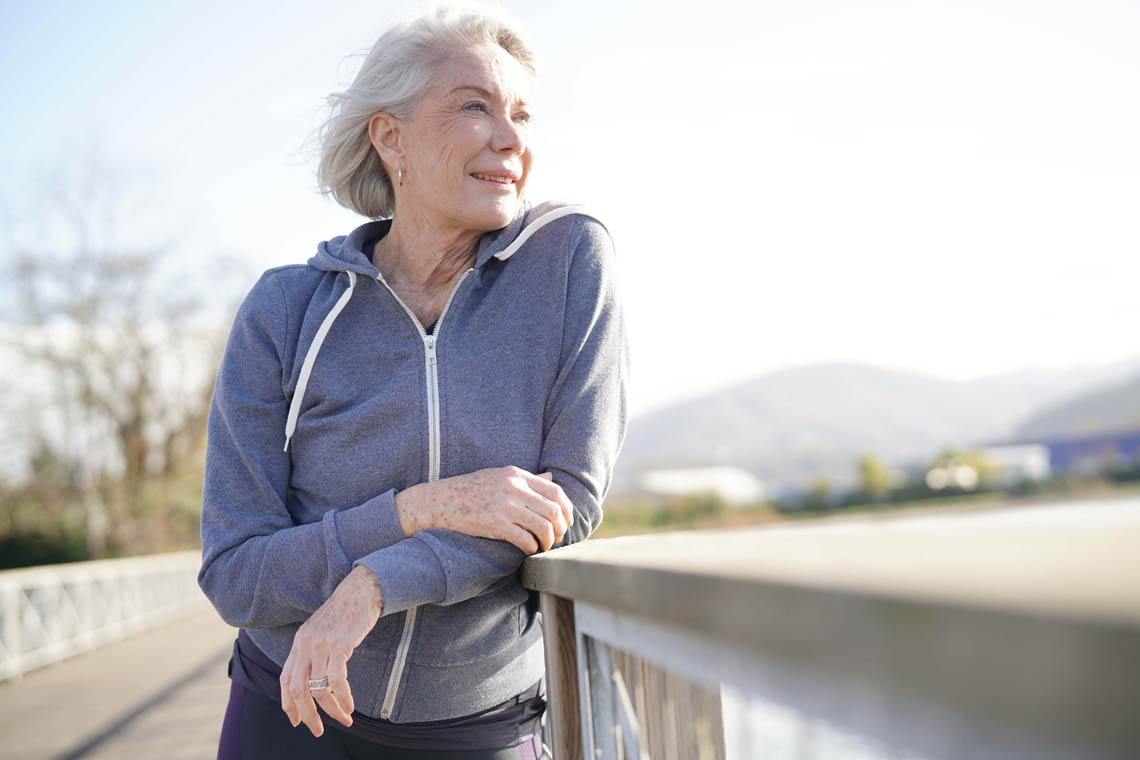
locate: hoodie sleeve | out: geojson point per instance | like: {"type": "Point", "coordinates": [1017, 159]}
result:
{"type": "Point", "coordinates": [586, 413]}
{"type": "Point", "coordinates": [259, 568]}
{"type": "Point", "coordinates": [584, 424]}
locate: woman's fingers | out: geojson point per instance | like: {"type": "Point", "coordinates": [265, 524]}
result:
{"type": "Point", "coordinates": [546, 510]}
{"type": "Point", "coordinates": [522, 538]}
{"type": "Point", "coordinates": [554, 492]}
{"type": "Point", "coordinates": [336, 700]}
{"type": "Point", "coordinates": [299, 691]}
{"type": "Point", "coordinates": [287, 704]}
{"type": "Point", "coordinates": [329, 697]}
{"type": "Point", "coordinates": [538, 524]}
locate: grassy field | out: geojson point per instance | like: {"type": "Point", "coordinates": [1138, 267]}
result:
{"type": "Point", "coordinates": [706, 511]}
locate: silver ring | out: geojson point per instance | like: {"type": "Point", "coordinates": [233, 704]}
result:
{"type": "Point", "coordinates": [318, 684]}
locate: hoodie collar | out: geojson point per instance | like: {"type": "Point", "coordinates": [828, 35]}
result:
{"type": "Point", "coordinates": [496, 240]}
{"type": "Point", "coordinates": [345, 253]}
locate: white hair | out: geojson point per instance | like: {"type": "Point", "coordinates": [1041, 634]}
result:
{"type": "Point", "coordinates": [394, 76]}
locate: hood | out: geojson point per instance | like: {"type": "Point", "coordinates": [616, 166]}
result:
{"type": "Point", "coordinates": [345, 254]}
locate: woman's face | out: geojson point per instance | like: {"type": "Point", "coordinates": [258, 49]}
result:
{"type": "Point", "coordinates": [466, 150]}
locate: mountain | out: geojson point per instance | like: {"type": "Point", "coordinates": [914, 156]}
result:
{"type": "Point", "coordinates": [788, 425]}
{"type": "Point", "coordinates": [1100, 411]}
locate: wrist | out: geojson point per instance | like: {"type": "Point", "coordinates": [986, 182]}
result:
{"type": "Point", "coordinates": [411, 509]}
{"type": "Point", "coordinates": [368, 586]}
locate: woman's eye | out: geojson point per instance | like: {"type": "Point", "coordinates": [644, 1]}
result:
{"type": "Point", "coordinates": [524, 117]}
{"type": "Point", "coordinates": [476, 106]}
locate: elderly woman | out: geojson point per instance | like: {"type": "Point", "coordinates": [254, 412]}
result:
{"type": "Point", "coordinates": [397, 424]}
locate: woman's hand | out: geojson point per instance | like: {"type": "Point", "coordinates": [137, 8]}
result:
{"type": "Point", "coordinates": [322, 646]}
{"type": "Point", "coordinates": [530, 511]}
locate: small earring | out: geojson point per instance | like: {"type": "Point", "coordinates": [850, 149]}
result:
{"type": "Point", "coordinates": [400, 174]}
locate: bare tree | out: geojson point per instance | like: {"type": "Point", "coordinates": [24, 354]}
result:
{"type": "Point", "coordinates": [120, 356]}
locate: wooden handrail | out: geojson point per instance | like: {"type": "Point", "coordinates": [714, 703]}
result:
{"type": "Point", "coordinates": [1079, 561]}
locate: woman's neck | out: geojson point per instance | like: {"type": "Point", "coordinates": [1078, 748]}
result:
{"type": "Point", "coordinates": [422, 256]}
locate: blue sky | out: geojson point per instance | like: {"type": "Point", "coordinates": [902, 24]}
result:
{"type": "Point", "coordinates": [942, 187]}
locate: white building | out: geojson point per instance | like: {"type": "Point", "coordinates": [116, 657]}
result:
{"type": "Point", "coordinates": [1020, 463]}
{"type": "Point", "coordinates": [733, 484]}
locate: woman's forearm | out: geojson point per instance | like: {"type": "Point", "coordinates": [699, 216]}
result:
{"type": "Point", "coordinates": [508, 503]}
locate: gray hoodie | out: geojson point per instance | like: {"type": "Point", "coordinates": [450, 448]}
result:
{"type": "Point", "coordinates": [331, 398]}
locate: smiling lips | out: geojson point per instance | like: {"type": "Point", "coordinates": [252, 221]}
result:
{"type": "Point", "coordinates": [502, 179]}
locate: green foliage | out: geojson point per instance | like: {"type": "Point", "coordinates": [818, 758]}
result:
{"type": "Point", "coordinates": [675, 513]}
{"type": "Point", "coordinates": [989, 473]}
{"type": "Point", "coordinates": [817, 496]}
{"type": "Point", "coordinates": [29, 549]}
{"type": "Point", "coordinates": [1124, 471]}
{"type": "Point", "coordinates": [874, 477]}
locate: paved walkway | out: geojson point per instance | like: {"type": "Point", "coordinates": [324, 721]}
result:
{"type": "Point", "coordinates": [160, 694]}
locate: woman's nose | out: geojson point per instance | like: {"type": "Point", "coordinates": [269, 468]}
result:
{"type": "Point", "coordinates": [509, 136]}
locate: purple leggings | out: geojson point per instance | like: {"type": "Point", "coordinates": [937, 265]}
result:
{"type": "Point", "coordinates": [256, 727]}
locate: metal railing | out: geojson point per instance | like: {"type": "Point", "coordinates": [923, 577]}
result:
{"type": "Point", "coordinates": [52, 612]}
{"type": "Point", "coordinates": [1009, 634]}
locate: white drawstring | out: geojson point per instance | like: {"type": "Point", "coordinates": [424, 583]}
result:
{"type": "Point", "coordinates": [538, 224]}
{"type": "Point", "coordinates": [311, 358]}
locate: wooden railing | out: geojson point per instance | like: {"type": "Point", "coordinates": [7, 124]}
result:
{"type": "Point", "coordinates": [51, 612]}
{"type": "Point", "coordinates": [1009, 634]}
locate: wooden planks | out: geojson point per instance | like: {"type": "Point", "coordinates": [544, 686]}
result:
{"type": "Point", "coordinates": [561, 676]}
{"type": "Point", "coordinates": [677, 718]}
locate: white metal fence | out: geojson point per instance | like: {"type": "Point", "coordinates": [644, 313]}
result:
{"type": "Point", "coordinates": [52, 612]}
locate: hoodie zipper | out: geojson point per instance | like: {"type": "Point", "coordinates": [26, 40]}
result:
{"type": "Point", "coordinates": [433, 471]}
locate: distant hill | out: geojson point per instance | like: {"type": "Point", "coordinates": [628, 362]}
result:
{"type": "Point", "coordinates": [1100, 411]}
{"type": "Point", "coordinates": [788, 425]}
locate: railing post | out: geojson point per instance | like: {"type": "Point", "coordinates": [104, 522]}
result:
{"type": "Point", "coordinates": [561, 676]}
{"type": "Point", "coordinates": [83, 591]}
{"type": "Point", "coordinates": [11, 632]}
{"type": "Point", "coordinates": [51, 616]}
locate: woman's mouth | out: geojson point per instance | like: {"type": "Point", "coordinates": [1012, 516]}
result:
{"type": "Point", "coordinates": [499, 179]}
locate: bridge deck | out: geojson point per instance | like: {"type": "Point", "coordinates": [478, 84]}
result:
{"type": "Point", "coordinates": [161, 694]}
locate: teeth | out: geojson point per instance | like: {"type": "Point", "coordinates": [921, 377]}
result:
{"type": "Point", "coordinates": [501, 180]}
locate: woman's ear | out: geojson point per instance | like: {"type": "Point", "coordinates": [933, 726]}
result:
{"type": "Point", "coordinates": [384, 134]}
